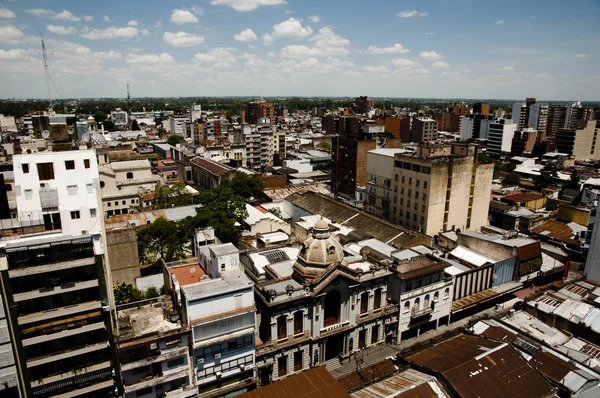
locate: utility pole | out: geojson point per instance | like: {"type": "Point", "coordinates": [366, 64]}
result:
{"type": "Point", "coordinates": [46, 67]}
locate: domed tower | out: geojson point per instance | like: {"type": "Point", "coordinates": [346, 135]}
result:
{"type": "Point", "coordinates": [91, 123]}
{"type": "Point", "coordinates": [317, 254]}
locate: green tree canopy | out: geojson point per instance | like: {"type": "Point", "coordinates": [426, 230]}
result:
{"type": "Point", "coordinates": [548, 175]}
{"type": "Point", "coordinates": [126, 293]}
{"type": "Point", "coordinates": [161, 239]}
{"type": "Point", "coordinates": [175, 195]}
{"type": "Point", "coordinates": [174, 139]}
{"type": "Point", "coordinates": [100, 116]}
{"type": "Point", "coordinates": [135, 126]}
{"type": "Point", "coordinates": [246, 186]}
{"type": "Point", "coordinates": [221, 208]}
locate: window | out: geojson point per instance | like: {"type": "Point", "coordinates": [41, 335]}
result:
{"type": "Point", "coordinates": [298, 322]}
{"type": "Point", "coordinates": [418, 182]}
{"type": "Point", "coordinates": [72, 189]}
{"type": "Point", "coordinates": [102, 184]}
{"type": "Point", "coordinates": [282, 327]}
{"type": "Point", "coordinates": [45, 171]}
{"type": "Point", "coordinates": [426, 302]}
{"type": "Point", "coordinates": [129, 175]}
{"type": "Point", "coordinates": [86, 163]}
{"type": "Point", "coordinates": [282, 366]}
{"type": "Point", "coordinates": [364, 303]}
{"type": "Point", "coordinates": [423, 208]}
{"type": "Point", "coordinates": [70, 164]}
{"type": "Point", "coordinates": [424, 184]}
{"type": "Point", "coordinates": [144, 391]}
{"type": "Point", "coordinates": [406, 307]}
{"type": "Point", "coordinates": [8, 187]}
{"type": "Point", "coordinates": [28, 194]}
{"type": "Point", "coordinates": [175, 362]}
{"type": "Point", "coordinates": [132, 201]}
{"type": "Point", "coordinates": [410, 180]}
{"type": "Point", "coordinates": [417, 194]}
{"type": "Point", "coordinates": [436, 297]}
{"type": "Point", "coordinates": [75, 215]}
{"type": "Point", "coordinates": [402, 178]}
{"type": "Point", "coordinates": [92, 212]}
{"type": "Point", "coordinates": [424, 196]}
{"type": "Point", "coordinates": [417, 304]}
{"type": "Point", "coordinates": [124, 202]}
{"type": "Point", "coordinates": [447, 293]}
{"type": "Point", "coordinates": [375, 334]}
{"type": "Point", "coordinates": [108, 204]}
{"type": "Point", "coordinates": [298, 365]}
{"type": "Point", "coordinates": [377, 299]}
{"type": "Point", "coordinates": [109, 213]}
{"type": "Point", "coordinates": [333, 301]}
{"type": "Point", "coordinates": [25, 167]}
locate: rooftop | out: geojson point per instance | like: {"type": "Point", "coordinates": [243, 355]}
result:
{"type": "Point", "coordinates": [410, 383]}
{"type": "Point", "coordinates": [230, 281]}
{"type": "Point", "coordinates": [130, 165]}
{"type": "Point", "coordinates": [146, 318]}
{"type": "Point", "coordinates": [472, 257]}
{"type": "Point", "coordinates": [521, 197]}
{"type": "Point", "coordinates": [420, 266]}
{"type": "Point", "coordinates": [187, 274]}
{"type": "Point", "coordinates": [214, 168]}
{"type": "Point", "coordinates": [224, 249]}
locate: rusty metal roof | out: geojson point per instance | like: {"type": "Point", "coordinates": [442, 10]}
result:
{"type": "Point", "coordinates": [477, 367]}
{"type": "Point", "coordinates": [421, 266]}
{"type": "Point", "coordinates": [521, 197]}
{"type": "Point", "coordinates": [212, 167]}
{"type": "Point", "coordinates": [551, 366]}
{"type": "Point", "coordinates": [410, 383]}
{"type": "Point", "coordinates": [557, 230]}
{"type": "Point", "coordinates": [314, 383]}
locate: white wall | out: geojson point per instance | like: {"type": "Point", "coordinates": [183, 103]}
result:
{"type": "Point", "coordinates": [77, 189]}
{"type": "Point", "coordinates": [219, 304]}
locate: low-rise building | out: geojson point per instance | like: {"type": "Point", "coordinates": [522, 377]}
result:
{"type": "Point", "coordinates": [207, 174]}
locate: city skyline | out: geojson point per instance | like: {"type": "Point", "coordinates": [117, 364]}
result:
{"type": "Point", "coordinates": [427, 49]}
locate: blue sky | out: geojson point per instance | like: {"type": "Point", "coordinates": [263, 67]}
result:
{"type": "Point", "coordinates": [476, 49]}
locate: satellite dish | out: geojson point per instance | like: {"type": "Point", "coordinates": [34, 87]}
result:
{"type": "Point", "coordinates": [85, 138]}
{"type": "Point", "coordinates": [45, 134]}
{"type": "Point", "coordinates": [71, 131]}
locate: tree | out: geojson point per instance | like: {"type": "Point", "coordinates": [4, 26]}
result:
{"type": "Point", "coordinates": [126, 293]}
{"type": "Point", "coordinates": [574, 180]}
{"type": "Point", "coordinates": [159, 238]}
{"type": "Point", "coordinates": [512, 179]}
{"type": "Point", "coordinates": [175, 195]}
{"type": "Point", "coordinates": [100, 116]}
{"type": "Point", "coordinates": [221, 208]}
{"type": "Point", "coordinates": [246, 186]}
{"type": "Point", "coordinates": [547, 176]}
{"type": "Point", "coordinates": [135, 126]}
{"type": "Point", "coordinates": [108, 125]}
{"type": "Point", "coordinates": [151, 292]}
{"type": "Point", "coordinates": [174, 139]}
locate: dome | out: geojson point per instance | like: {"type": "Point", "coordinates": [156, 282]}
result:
{"type": "Point", "coordinates": [91, 119]}
{"type": "Point", "coordinates": [318, 252]}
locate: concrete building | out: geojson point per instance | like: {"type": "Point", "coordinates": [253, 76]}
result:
{"type": "Point", "coordinates": [122, 183]}
{"type": "Point", "coordinates": [222, 315]}
{"type": "Point", "coordinates": [56, 280]}
{"type": "Point", "coordinates": [431, 187]}
{"type": "Point", "coordinates": [500, 136]}
{"type": "Point", "coordinates": [119, 118]}
{"type": "Point", "coordinates": [525, 142]}
{"type": "Point", "coordinates": [592, 265]}
{"type": "Point", "coordinates": [8, 124]}
{"type": "Point", "coordinates": [153, 351]}
{"type": "Point", "coordinates": [481, 109]}
{"type": "Point", "coordinates": [380, 177]}
{"type": "Point", "coordinates": [556, 119]}
{"type": "Point", "coordinates": [9, 379]}
{"type": "Point", "coordinates": [259, 109]}
{"type": "Point", "coordinates": [207, 174]}
{"type": "Point", "coordinates": [579, 142]}
{"type": "Point", "coordinates": [538, 117]}
{"type": "Point", "coordinates": [176, 124]}
{"type": "Point", "coordinates": [423, 130]}
{"type": "Point", "coordinates": [576, 111]}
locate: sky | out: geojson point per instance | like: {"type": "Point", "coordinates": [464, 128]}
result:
{"type": "Point", "coordinates": [381, 48]}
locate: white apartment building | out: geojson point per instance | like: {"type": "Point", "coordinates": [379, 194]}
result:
{"type": "Point", "coordinates": [176, 124]}
{"type": "Point", "coordinates": [120, 118]}
{"type": "Point", "coordinates": [380, 177]}
{"type": "Point", "coordinates": [8, 124]}
{"type": "Point", "coordinates": [222, 315]}
{"type": "Point", "coordinates": [538, 117]}
{"type": "Point", "coordinates": [466, 128]}
{"type": "Point", "coordinates": [500, 136]}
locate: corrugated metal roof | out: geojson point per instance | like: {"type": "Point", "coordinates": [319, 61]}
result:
{"type": "Point", "coordinates": [314, 383]}
{"type": "Point", "coordinates": [472, 257]}
{"type": "Point", "coordinates": [408, 381]}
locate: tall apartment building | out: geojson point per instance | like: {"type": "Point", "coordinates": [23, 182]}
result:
{"type": "Point", "coordinates": [422, 130]}
{"type": "Point", "coordinates": [441, 187]}
{"type": "Point", "coordinates": [9, 379]}
{"type": "Point", "coordinates": [380, 177]}
{"type": "Point", "coordinates": [592, 264]}
{"type": "Point", "coordinates": [448, 121]}
{"type": "Point", "coordinates": [259, 109]}
{"type": "Point", "coordinates": [556, 119]}
{"type": "Point", "coordinates": [579, 142]}
{"type": "Point", "coordinates": [474, 126]}
{"type": "Point", "coordinates": [56, 283]}
{"type": "Point", "coordinates": [576, 111]}
{"type": "Point", "coordinates": [481, 109]}
{"type": "Point", "coordinates": [538, 117]}
{"type": "Point", "coordinates": [500, 135]}
{"type": "Point", "coordinates": [396, 125]}
{"type": "Point", "coordinates": [259, 145]}
{"type": "Point", "coordinates": [525, 142]}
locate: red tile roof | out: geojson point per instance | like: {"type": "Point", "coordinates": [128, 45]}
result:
{"type": "Point", "coordinates": [261, 209]}
{"type": "Point", "coordinates": [187, 274]}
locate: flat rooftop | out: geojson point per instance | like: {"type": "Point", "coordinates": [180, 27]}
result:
{"type": "Point", "coordinates": [230, 281]}
{"type": "Point", "coordinates": [146, 319]}
{"type": "Point", "coordinates": [187, 274]}
{"type": "Point", "coordinates": [420, 266]}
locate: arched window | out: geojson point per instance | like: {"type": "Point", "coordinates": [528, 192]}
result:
{"type": "Point", "coordinates": [333, 302]}
{"type": "Point", "coordinates": [377, 299]}
{"type": "Point", "coordinates": [129, 175]}
{"type": "Point", "coordinates": [102, 184]}
{"type": "Point", "coordinates": [298, 322]}
{"type": "Point", "coordinates": [364, 303]}
{"type": "Point", "coordinates": [447, 293]}
{"type": "Point", "coordinates": [281, 327]}
{"type": "Point", "coordinates": [436, 297]}
{"type": "Point", "coordinates": [426, 302]}
{"type": "Point", "coordinates": [407, 306]}
{"type": "Point", "coordinates": [417, 304]}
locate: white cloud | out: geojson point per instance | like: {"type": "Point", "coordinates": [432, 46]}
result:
{"type": "Point", "coordinates": [13, 54]}
{"type": "Point", "coordinates": [40, 12]}
{"type": "Point", "coordinates": [88, 18]}
{"type": "Point", "coordinates": [268, 39]}
{"type": "Point", "coordinates": [66, 15]}
{"type": "Point", "coordinates": [145, 32]}
{"type": "Point", "coordinates": [111, 32]}
{"type": "Point", "coordinates": [246, 35]}
{"type": "Point", "coordinates": [287, 12]}
{"type": "Point", "coordinates": [377, 69]}
{"type": "Point", "coordinates": [403, 62]}
{"type": "Point", "coordinates": [314, 18]}
{"type": "Point", "coordinates": [432, 55]}
{"type": "Point", "coordinates": [506, 68]}
{"type": "Point", "coordinates": [158, 24]}
{"type": "Point", "coordinates": [440, 65]}
{"type": "Point", "coordinates": [6, 13]}
{"type": "Point", "coordinates": [252, 46]}
{"type": "Point", "coordinates": [429, 33]}
{"type": "Point", "coordinates": [62, 30]}
{"type": "Point", "coordinates": [543, 76]}
{"type": "Point", "coordinates": [300, 51]}
{"type": "Point", "coordinates": [149, 58]}
{"type": "Point", "coordinates": [180, 17]}
{"type": "Point", "coordinates": [329, 42]}
{"type": "Point", "coordinates": [246, 5]}
{"type": "Point", "coordinates": [106, 18]}
{"type": "Point", "coordinates": [220, 55]}
{"type": "Point", "coordinates": [132, 23]}
{"type": "Point", "coordinates": [500, 22]}
{"type": "Point", "coordinates": [10, 34]}
{"type": "Point", "coordinates": [395, 49]}
{"type": "Point", "coordinates": [582, 56]}
{"type": "Point", "coordinates": [291, 29]}
{"type": "Point", "coordinates": [197, 10]}
{"type": "Point", "coordinates": [182, 39]}
{"type": "Point", "coordinates": [411, 14]}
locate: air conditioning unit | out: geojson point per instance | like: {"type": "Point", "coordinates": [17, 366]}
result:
{"type": "Point", "coordinates": [200, 360]}
{"type": "Point", "coordinates": [219, 375]}
{"type": "Point", "coordinates": [242, 367]}
{"type": "Point", "coordinates": [43, 185]}
{"type": "Point", "coordinates": [218, 356]}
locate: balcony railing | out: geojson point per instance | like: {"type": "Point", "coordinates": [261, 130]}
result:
{"type": "Point", "coordinates": [414, 313]}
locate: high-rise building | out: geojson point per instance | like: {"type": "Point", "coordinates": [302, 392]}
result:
{"type": "Point", "coordinates": [56, 283]}
{"type": "Point", "coordinates": [579, 142]}
{"type": "Point", "coordinates": [592, 265]}
{"type": "Point", "coordinates": [439, 188]}
{"type": "Point", "coordinates": [524, 142]}
{"type": "Point", "coordinates": [538, 117]}
{"type": "Point", "coordinates": [423, 130]}
{"type": "Point", "coordinates": [9, 379]}
{"type": "Point", "coordinates": [576, 111]}
{"type": "Point", "coordinates": [119, 118]}
{"type": "Point", "coordinates": [500, 135]}
{"type": "Point", "coordinates": [556, 120]}
{"type": "Point", "coordinates": [260, 109]}
{"type": "Point", "coordinates": [481, 109]}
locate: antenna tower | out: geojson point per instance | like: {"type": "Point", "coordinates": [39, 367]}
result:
{"type": "Point", "coordinates": [46, 69]}
{"type": "Point", "coordinates": [128, 107]}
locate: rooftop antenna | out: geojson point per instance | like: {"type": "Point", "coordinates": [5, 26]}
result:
{"type": "Point", "coordinates": [46, 69]}
{"type": "Point", "coordinates": [128, 106]}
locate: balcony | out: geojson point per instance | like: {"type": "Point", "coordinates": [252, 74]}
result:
{"type": "Point", "coordinates": [419, 314]}
{"type": "Point", "coordinates": [159, 356]}
{"type": "Point", "coordinates": [49, 291]}
{"type": "Point", "coordinates": [65, 333]}
{"type": "Point", "coordinates": [64, 355]}
{"type": "Point", "coordinates": [156, 379]}
{"type": "Point", "coordinates": [99, 373]}
{"type": "Point", "coordinates": [59, 312]}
